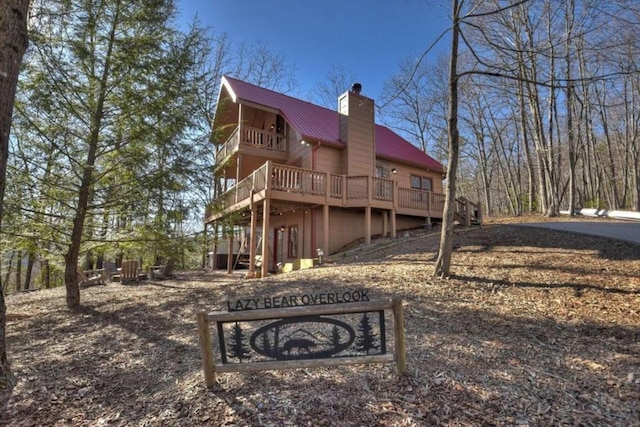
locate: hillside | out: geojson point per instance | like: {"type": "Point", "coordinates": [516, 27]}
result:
{"type": "Point", "coordinates": [534, 328]}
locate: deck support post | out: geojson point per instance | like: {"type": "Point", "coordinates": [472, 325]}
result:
{"type": "Point", "coordinates": [252, 239]}
{"type": "Point", "coordinates": [367, 225]}
{"type": "Point", "coordinates": [385, 224]}
{"type": "Point", "coordinates": [230, 251]}
{"type": "Point", "coordinates": [394, 231]}
{"type": "Point", "coordinates": [214, 262]}
{"type": "Point", "coordinates": [325, 229]}
{"type": "Point", "coordinates": [265, 238]}
{"type": "Point", "coordinates": [467, 209]}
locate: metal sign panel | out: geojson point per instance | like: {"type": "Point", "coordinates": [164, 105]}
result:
{"type": "Point", "coordinates": [302, 337]}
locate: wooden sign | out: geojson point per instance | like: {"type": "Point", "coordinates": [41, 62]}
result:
{"type": "Point", "coordinates": [298, 300]}
{"type": "Point", "coordinates": [300, 337]}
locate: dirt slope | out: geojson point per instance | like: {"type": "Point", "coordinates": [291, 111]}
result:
{"type": "Point", "coordinates": [535, 328]}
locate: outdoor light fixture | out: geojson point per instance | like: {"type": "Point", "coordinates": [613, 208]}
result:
{"type": "Point", "coordinates": [394, 170]}
{"type": "Point", "coordinates": [282, 228]}
{"type": "Point", "coordinates": [303, 142]}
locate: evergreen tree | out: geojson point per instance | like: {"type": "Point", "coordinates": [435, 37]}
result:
{"type": "Point", "coordinates": [13, 43]}
{"type": "Point", "coordinates": [335, 337]}
{"type": "Point", "coordinates": [266, 344]}
{"type": "Point", "coordinates": [237, 344]}
{"type": "Point", "coordinates": [106, 102]}
{"type": "Point", "coordinates": [366, 339]}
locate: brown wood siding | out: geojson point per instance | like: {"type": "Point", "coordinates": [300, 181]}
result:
{"type": "Point", "coordinates": [298, 152]}
{"type": "Point", "coordinates": [404, 172]}
{"type": "Point", "coordinates": [360, 134]}
{"type": "Point", "coordinates": [346, 227]}
{"type": "Point", "coordinates": [329, 159]}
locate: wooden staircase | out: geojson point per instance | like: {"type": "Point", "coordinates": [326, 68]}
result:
{"type": "Point", "coordinates": [467, 213]}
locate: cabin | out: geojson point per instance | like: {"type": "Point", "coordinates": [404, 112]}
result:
{"type": "Point", "coordinates": [298, 180]}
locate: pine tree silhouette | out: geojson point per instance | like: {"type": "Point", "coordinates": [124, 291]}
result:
{"type": "Point", "coordinates": [366, 339]}
{"type": "Point", "coordinates": [335, 337]}
{"type": "Point", "coordinates": [237, 344]}
{"type": "Point", "coordinates": [266, 345]}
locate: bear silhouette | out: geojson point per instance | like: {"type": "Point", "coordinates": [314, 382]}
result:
{"type": "Point", "coordinates": [300, 344]}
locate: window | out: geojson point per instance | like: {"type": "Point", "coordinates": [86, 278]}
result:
{"type": "Point", "coordinates": [293, 242]}
{"type": "Point", "coordinates": [382, 169]}
{"type": "Point", "coordinates": [421, 183]}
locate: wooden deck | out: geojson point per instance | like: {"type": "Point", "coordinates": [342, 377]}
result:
{"type": "Point", "coordinates": [290, 184]}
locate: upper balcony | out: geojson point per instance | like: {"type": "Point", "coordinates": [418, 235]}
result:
{"type": "Point", "coordinates": [253, 141]}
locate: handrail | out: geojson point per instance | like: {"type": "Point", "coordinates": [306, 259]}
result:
{"type": "Point", "coordinates": [414, 199]}
{"type": "Point", "coordinates": [357, 187]}
{"type": "Point", "coordinates": [264, 138]}
{"type": "Point", "coordinates": [252, 136]}
{"type": "Point", "coordinates": [230, 145]}
{"type": "Point", "coordinates": [293, 179]}
{"type": "Point", "coordinates": [382, 189]}
{"type": "Point", "coordinates": [352, 190]}
{"type": "Point", "coordinates": [335, 186]}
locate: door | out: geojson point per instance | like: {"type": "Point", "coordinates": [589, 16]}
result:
{"type": "Point", "coordinates": [278, 246]}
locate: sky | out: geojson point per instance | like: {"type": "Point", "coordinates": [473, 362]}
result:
{"type": "Point", "coordinates": [366, 37]}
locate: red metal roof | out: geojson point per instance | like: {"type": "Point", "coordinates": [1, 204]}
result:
{"type": "Point", "coordinates": [317, 123]}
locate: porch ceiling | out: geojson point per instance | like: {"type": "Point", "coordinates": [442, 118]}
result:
{"type": "Point", "coordinates": [276, 208]}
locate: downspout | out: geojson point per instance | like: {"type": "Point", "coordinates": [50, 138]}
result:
{"type": "Point", "coordinates": [313, 154]}
{"type": "Point", "coordinates": [313, 213]}
{"type": "Point", "coordinates": [304, 225]}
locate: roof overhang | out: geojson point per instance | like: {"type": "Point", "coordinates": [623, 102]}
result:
{"type": "Point", "coordinates": [418, 165]}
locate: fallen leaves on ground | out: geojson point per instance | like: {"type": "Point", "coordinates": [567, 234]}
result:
{"type": "Point", "coordinates": [534, 327]}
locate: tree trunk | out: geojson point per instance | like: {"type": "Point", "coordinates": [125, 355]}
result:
{"type": "Point", "coordinates": [570, 12]}
{"type": "Point", "coordinates": [84, 195]}
{"type": "Point", "coordinates": [13, 43]}
{"type": "Point", "coordinates": [443, 263]}
{"type": "Point", "coordinates": [18, 260]}
{"type": "Point", "coordinates": [27, 275]}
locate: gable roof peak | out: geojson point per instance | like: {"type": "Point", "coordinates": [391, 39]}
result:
{"type": "Point", "coordinates": [316, 123]}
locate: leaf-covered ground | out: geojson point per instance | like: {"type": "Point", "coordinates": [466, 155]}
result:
{"type": "Point", "coordinates": [535, 328]}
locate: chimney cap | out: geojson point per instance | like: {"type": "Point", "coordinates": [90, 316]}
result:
{"type": "Point", "coordinates": [356, 88]}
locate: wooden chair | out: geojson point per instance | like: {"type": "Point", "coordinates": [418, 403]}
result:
{"type": "Point", "coordinates": [112, 271]}
{"type": "Point", "coordinates": [129, 271]}
{"type": "Point", "coordinates": [92, 277]}
{"type": "Point", "coordinates": [162, 271]}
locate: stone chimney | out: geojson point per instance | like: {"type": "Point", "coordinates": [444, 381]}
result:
{"type": "Point", "coordinates": [357, 131]}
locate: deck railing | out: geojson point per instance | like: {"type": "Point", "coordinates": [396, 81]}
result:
{"type": "Point", "coordinates": [263, 138]}
{"type": "Point", "coordinates": [367, 189]}
{"type": "Point", "coordinates": [335, 186]}
{"type": "Point", "coordinates": [292, 179]}
{"type": "Point", "coordinates": [357, 187]}
{"type": "Point", "coordinates": [414, 199]}
{"type": "Point", "coordinates": [467, 212]}
{"type": "Point", "coordinates": [382, 189]}
{"type": "Point", "coordinates": [252, 136]}
{"type": "Point", "coordinates": [230, 146]}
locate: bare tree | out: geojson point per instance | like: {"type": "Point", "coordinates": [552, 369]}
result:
{"type": "Point", "coordinates": [443, 262]}
{"type": "Point", "coordinates": [414, 102]}
{"type": "Point", "coordinates": [338, 80]}
{"type": "Point", "coordinates": [257, 63]}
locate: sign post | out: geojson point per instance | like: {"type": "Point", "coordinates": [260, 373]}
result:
{"type": "Point", "coordinates": [315, 330]}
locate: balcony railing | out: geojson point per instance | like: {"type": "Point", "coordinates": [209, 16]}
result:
{"type": "Point", "coordinates": [229, 147]}
{"type": "Point", "coordinates": [341, 189]}
{"type": "Point", "coordinates": [292, 179]}
{"type": "Point", "coordinates": [263, 138]}
{"type": "Point", "coordinates": [254, 137]}
{"type": "Point", "coordinates": [382, 189]}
